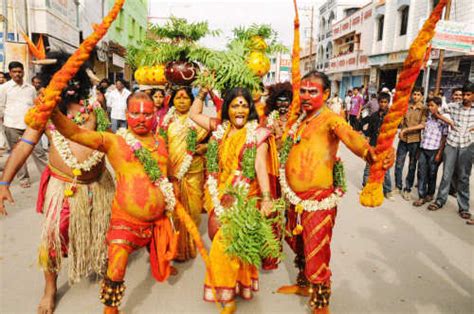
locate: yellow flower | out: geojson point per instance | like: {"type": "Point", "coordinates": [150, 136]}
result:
{"type": "Point", "coordinates": [76, 172]}
{"type": "Point", "coordinates": [299, 209]}
{"type": "Point", "coordinates": [68, 192]}
{"type": "Point", "coordinates": [298, 230]}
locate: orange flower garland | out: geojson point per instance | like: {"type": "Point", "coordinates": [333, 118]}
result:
{"type": "Point", "coordinates": [372, 194]}
{"type": "Point", "coordinates": [295, 72]}
{"type": "Point", "coordinates": [38, 116]}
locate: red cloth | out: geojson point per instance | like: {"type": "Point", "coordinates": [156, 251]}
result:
{"type": "Point", "coordinates": [43, 185]}
{"type": "Point", "coordinates": [316, 236]}
{"type": "Point", "coordinates": [158, 235]}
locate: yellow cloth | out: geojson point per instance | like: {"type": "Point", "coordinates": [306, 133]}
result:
{"type": "Point", "coordinates": [231, 277]}
{"type": "Point", "coordinates": [190, 187]}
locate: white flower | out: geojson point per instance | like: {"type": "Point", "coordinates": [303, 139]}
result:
{"type": "Point", "coordinates": [211, 182]}
{"type": "Point", "coordinates": [62, 146]}
{"type": "Point", "coordinates": [308, 205]}
{"type": "Point", "coordinates": [165, 186]}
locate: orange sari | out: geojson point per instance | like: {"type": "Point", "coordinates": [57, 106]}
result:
{"type": "Point", "coordinates": [230, 275]}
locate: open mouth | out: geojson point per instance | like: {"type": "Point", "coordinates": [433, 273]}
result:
{"type": "Point", "coordinates": [240, 119]}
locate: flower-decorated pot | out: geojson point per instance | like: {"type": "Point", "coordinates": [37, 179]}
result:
{"type": "Point", "coordinates": [258, 63]}
{"type": "Point", "coordinates": [181, 72]}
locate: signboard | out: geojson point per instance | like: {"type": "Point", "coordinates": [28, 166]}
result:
{"type": "Point", "coordinates": [454, 36]}
{"type": "Point", "coordinates": [118, 61]}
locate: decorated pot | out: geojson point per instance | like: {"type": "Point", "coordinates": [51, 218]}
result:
{"type": "Point", "coordinates": [258, 63]}
{"type": "Point", "coordinates": [181, 72]}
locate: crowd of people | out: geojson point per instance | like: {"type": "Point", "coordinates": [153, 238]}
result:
{"type": "Point", "coordinates": [433, 132]}
{"type": "Point", "coordinates": [169, 156]}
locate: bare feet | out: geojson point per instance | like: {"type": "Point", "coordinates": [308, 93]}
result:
{"type": "Point", "coordinates": [229, 308]}
{"type": "Point", "coordinates": [47, 303]}
{"type": "Point", "coordinates": [294, 289]}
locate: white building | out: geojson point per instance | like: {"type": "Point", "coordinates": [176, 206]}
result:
{"type": "Point", "coordinates": [396, 24]}
{"type": "Point", "coordinates": [352, 44]}
{"type": "Point", "coordinates": [331, 11]}
{"type": "Point", "coordinates": [280, 69]}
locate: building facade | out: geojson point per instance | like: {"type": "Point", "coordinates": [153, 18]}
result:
{"type": "Point", "coordinates": [280, 69]}
{"type": "Point", "coordinates": [330, 12]}
{"type": "Point", "coordinates": [396, 24]}
{"type": "Point", "coordinates": [352, 44]}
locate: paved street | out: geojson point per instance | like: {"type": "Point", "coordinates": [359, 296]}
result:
{"type": "Point", "coordinates": [392, 259]}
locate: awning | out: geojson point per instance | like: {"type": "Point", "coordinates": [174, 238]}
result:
{"type": "Point", "coordinates": [56, 45]}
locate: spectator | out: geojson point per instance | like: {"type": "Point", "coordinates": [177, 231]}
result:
{"type": "Point", "coordinates": [3, 140]}
{"type": "Point", "coordinates": [458, 152]}
{"type": "Point", "coordinates": [36, 82]}
{"type": "Point", "coordinates": [118, 103]}
{"type": "Point", "coordinates": [370, 107]}
{"type": "Point", "coordinates": [347, 103]}
{"type": "Point", "coordinates": [158, 95]}
{"type": "Point", "coordinates": [356, 107]}
{"type": "Point", "coordinates": [3, 78]}
{"type": "Point", "coordinates": [16, 97]}
{"type": "Point", "coordinates": [430, 155]}
{"type": "Point", "coordinates": [410, 136]}
{"type": "Point", "coordinates": [105, 84]}
{"type": "Point", "coordinates": [375, 122]}
{"type": "Point", "coordinates": [335, 104]}
{"type": "Point", "coordinates": [456, 97]}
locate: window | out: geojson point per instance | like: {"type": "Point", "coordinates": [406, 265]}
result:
{"type": "Point", "coordinates": [380, 21]}
{"type": "Point", "coordinates": [404, 20]}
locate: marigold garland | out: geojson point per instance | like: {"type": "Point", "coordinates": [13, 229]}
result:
{"type": "Point", "coordinates": [372, 194]}
{"type": "Point", "coordinates": [37, 117]}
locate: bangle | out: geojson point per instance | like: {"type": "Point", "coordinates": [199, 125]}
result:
{"type": "Point", "coordinates": [5, 183]}
{"type": "Point", "coordinates": [266, 196]}
{"type": "Point", "coordinates": [27, 141]}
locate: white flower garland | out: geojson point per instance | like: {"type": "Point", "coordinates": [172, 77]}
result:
{"type": "Point", "coordinates": [212, 183]}
{"type": "Point", "coordinates": [163, 183]}
{"type": "Point", "coordinates": [190, 124]}
{"type": "Point", "coordinates": [62, 146]}
{"type": "Point", "coordinates": [272, 117]}
{"type": "Point", "coordinates": [307, 205]}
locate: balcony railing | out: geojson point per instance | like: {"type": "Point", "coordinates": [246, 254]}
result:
{"type": "Point", "coordinates": [328, 34]}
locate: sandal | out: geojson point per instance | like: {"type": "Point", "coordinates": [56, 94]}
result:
{"type": "Point", "coordinates": [419, 202]}
{"type": "Point", "coordinates": [464, 215]}
{"type": "Point", "coordinates": [434, 206]}
{"type": "Point", "coordinates": [470, 222]}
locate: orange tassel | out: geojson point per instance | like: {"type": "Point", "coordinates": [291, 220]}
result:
{"type": "Point", "coordinates": [38, 116]}
{"type": "Point", "coordinates": [194, 232]}
{"type": "Point", "coordinates": [372, 194]}
{"type": "Point", "coordinates": [295, 73]}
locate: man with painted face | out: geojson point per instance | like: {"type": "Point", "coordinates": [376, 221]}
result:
{"type": "Point", "coordinates": [276, 109]}
{"type": "Point", "coordinates": [144, 193]}
{"type": "Point", "coordinates": [230, 165]}
{"type": "Point", "coordinates": [185, 164]}
{"type": "Point", "coordinates": [310, 178]}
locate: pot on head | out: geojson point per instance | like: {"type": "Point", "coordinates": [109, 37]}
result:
{"type": "Point", "coordinates": [181, 73]}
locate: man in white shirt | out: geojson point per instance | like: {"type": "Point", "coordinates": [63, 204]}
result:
{"type": "Point", "coordinates": [118, 102]}
{"type": "Point", "coordinates": [3, 139]}
{"type": "Point", "coordinates": [16, 97]}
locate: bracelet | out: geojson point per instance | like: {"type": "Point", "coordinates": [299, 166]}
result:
{"type": "Point", "coordinates": [5, 183]}
{"type": "Point", "coordinates": [27, 141]}
{"type": "Point", "coordinates": [266, 196]}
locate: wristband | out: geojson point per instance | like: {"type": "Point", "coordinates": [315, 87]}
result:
{"type": "Point", "coordinates": [5, 183]}
{"type": "Point", "coordinates": [27, 141]}
{"type": "Point", "coordinates": [266, 196]}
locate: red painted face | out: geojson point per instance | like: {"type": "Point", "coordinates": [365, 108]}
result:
{"type": "Point", "coordinates": [140, 116]}
{"type": "Point", "coordinates": [311, 94]}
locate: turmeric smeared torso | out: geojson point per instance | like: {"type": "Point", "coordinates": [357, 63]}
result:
{"type": "Point", "coordinates": [137, 199]}
{"type": "Point", "coordinates": [312, 158]}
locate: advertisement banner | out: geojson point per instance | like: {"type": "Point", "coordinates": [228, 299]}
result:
{"type": "Point", "coordinates": [454, 36]}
